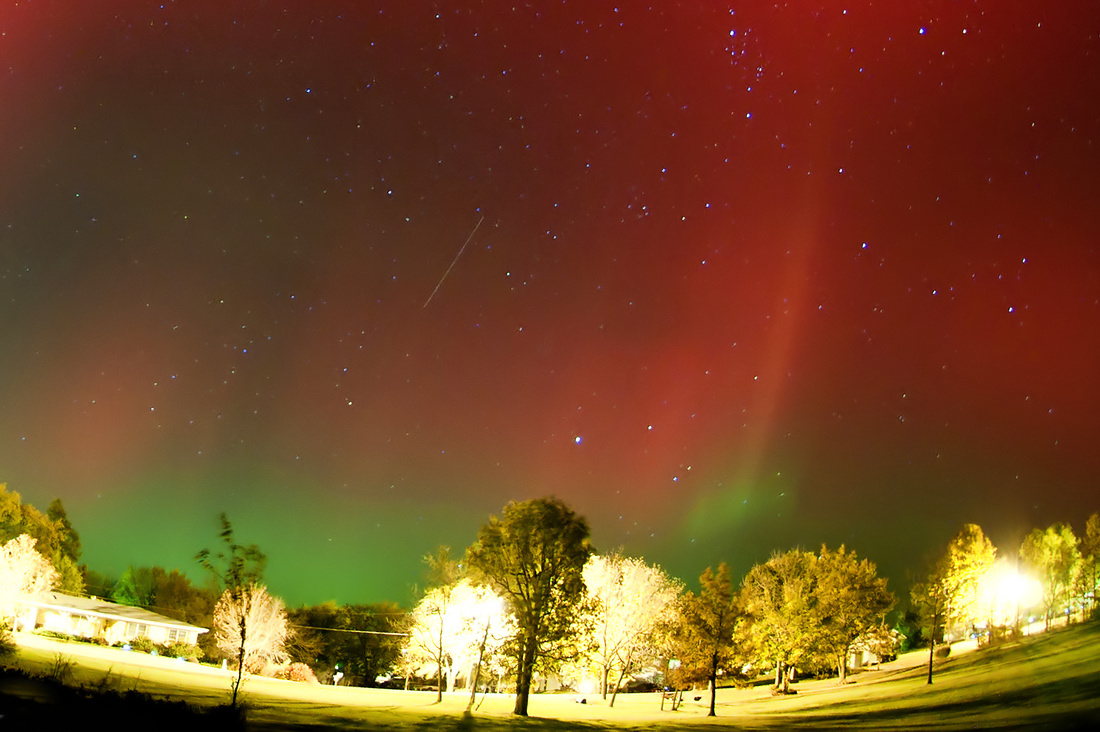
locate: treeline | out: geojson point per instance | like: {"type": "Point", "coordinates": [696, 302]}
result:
{"type": "Point", "coordinates": [55, 538]}
{"type": "Point", "coordinates": [530, 600]}
{"type": "Point", "coordinates": [972, 591]}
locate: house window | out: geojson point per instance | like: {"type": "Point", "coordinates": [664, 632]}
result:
{"type": "Point", "coordinates": [136, 630]}
{"type": "Point", "coordinates": [176, 635]}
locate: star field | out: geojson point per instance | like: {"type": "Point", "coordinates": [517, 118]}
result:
{"type": "Point", "coordinates": [726, 279]}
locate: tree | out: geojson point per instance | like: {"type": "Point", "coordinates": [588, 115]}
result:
{"type": "Point", "coordinates": [931, 600]}
{"type": "Point", "coordinates": [950, 594]}
{"type": "Point", "coordinates": [23, 573]}
{"type": "Point", "coordinates": [852, 601]}
{"type": "Point", "coordinates": [706, 626]}
{"type": "Point", "coordinates": [238, 568]}
{"type": "Point", "coordinates": [1090, 560]}
{"type": "Point", "coordinates": [780, 598]}
{"type": "Point", "coordinates": [361, 641]}
{"type": "Point", "coordinates": [533, 556]}
{"type": "Point", "coordinates": [1053, 555]}
{"type": "Point", "coordinates": [56, 539]}
{"type": "Point", "coordinates": [137, 586]}
{"type": "Point", "coordinates": [969, 557]}
{"type": "Point", "coordinates": [629, 599]}
{"type": "Point", "coordinates": [250, 626]}
{"type": "Point", "coordinates": [69, 540]}
{"type": "Point", "coordinates": [447, 641]}
{"type": "Point", "coordinates": [435, 611]}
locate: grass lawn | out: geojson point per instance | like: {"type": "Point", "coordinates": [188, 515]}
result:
{"type": "Point", "coordinates": [1051, 680]}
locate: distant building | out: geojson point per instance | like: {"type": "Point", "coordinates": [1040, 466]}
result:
{"type": "Point", "coordinates": [91, 617]}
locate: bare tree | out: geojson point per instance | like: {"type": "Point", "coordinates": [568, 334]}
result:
{"type": "Point", "coordinates": [443, 574]}
{"type": "Point", "coordinates": [630, 599]}
{"type": "Point", "coordinates": [237, 568]}
{"type": "Point", "coordinates": [263, 616]}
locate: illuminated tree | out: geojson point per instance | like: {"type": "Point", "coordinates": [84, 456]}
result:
{"type": "Point", "coordinates": [56, 539]}
{"type": "Point", "coordinates": [435, 611]}
{"type": "Point", "coordinates": [630, 599]}
{"type": "Point", "coordinates": [449, 640]}
{"type": "Point", "coordinates": [533, 556]}
{"type": "Point", "coordinates": [852, 601]}
{"type": "Point", "coordinates": [951, 594]}
{"type": "Point", "coordinates": [250, 626]}
{"type": "Point", "coordinates": [23, 573]}
{"type": "Point", "coordinates": [1053, 556]}
{"type": "Point", "coordinates": [1090, 560]}
{"type": "Point", "coordinates": [707, 621]}
{"type": "Point", "coordinates": [780, 597]}
{"type": "Point", "coordinates": [238, 568]}
{"type": "Point", "coordinates": [969, 557]}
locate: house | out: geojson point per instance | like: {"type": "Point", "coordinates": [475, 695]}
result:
{"type": "Point", "coordinates": [94, 618]}
{"type": "Point", "coordinates": [874, 647]}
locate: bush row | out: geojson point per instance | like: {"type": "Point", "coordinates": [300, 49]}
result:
{"type": "Point", "coordinates": [186, 651]}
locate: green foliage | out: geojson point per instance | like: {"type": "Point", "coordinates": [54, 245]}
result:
{"type": "Point", "coordinates": [55, 538]}
{"type": "Point", "coordinates": [7, 643]}
{"type": "Point", "coordinates": [1090, 561]}
{"type": "Point", "coordinates": [68, 539]}
{"type": "Point", "coordinates": [852, 602]}
{"type": "Point", "coordinates": [188, 651]}
{"type": "Point", "coordinates": [143, 644]}
{"type": "Point", "coordinates": [947, 598]}
{"type": "Point", "coordinates": [361, 656]}
{"type": "Point", "coordinates": [1052, 555]}
{"type": "Point", "coordinates": [126, 591]}
{"type": "Point", "coordinates": [781, 599]}
{"type": "Point", "coordinates": [533, 556]}
{"type": "Point", "coordinates": [705, 635]}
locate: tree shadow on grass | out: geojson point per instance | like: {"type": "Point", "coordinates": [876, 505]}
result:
{"type": "Point", "coordinates": [1053, 705]}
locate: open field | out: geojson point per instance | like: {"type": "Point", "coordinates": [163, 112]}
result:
{"type": "Point", "coordinates": [1051, 681]}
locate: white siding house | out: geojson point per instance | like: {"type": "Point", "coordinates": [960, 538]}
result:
{"type": "Point", "coordinates": [94, 618]}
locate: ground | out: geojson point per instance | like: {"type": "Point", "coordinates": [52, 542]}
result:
{"type": "Point", "coordinates": [1051, 681]}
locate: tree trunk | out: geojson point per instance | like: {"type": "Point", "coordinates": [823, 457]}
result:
{"type": "Point", "coordinates": [713, 682]}
{"type": "Point", "coordinates": [603, 680]}
{"type": "Point", "coordinates": [786, 680]}
{"type": "Point", "coordinates": [439, 665]}
{"type": "Point", "coordinates": [842, 667]}
{"type": "Point", "coordinates": [778, 673]}
{"type": "Point", "coordinates": [619, 681]}
{"type": "Point", "coordinates": [477, 669]}
{"type": "Point", "coordinates": [240, 658]}
{"type": "Point", "coordinates": [524, 674]}
{"type": "Point", "coordinates": [931, 653]}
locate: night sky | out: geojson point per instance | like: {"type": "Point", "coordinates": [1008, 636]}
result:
{"type": "Point", "coordinates": [726, 278]}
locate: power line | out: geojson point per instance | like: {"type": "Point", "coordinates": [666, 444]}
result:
{"type": "Point", "coordinates": [348, 630]}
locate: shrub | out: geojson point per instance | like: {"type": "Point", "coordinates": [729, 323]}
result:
{"type": "Point", "coordinates": [188, 651]}
{"type": "Point", "coordinates": [290, 672]}
{"type": "Point", "coordinates": [7, 643]}
{"type": "Point", "coordinates": [301, 672]}
{"type": "Point", "coordinates": [143, 644]}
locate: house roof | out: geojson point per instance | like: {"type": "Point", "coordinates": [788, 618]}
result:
{"type": "Point", "coordinates": [93, 606]}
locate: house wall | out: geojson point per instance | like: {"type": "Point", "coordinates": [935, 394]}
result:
{"type": "Point", "coordinates": [113, 631]}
